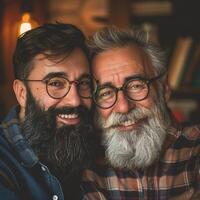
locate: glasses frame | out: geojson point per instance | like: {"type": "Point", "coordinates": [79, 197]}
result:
{"type": "Point", "coordinates": [46, 81]}
{"type": "Point", "coordinates": [123, 89]}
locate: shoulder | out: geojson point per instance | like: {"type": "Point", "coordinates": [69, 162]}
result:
{"type": "Point", "coordinates": [189, 138]}
{"type": "Point", "coordinates": [186, 146]}
{"type": "Point", "coordinates": [7, 162]}
{"type": "Point", "coordinates": [3, 142]}
{"type": "Point", "coordinates": [191, 132]}
{"type": "Point", "coordinates": [7, 175]}
{"type": "Point", "coordinates": [7, 172]}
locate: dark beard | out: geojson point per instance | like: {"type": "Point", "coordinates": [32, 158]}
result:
{"type": "Point", "coordinates": [66, 148]}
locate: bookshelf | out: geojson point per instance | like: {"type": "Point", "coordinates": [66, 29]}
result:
{"type": "Point", "coordinates": [174, 25]}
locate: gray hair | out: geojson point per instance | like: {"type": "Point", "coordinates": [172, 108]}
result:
{"type": "Point", "coordinates": [112, 37]}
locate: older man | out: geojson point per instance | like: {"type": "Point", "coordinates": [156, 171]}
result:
{"type": "Point", "coordinates": [147, 154]}
{"type": "Point", "coordinates": [47, 139]}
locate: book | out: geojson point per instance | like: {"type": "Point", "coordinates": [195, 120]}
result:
{"type": "Point", "coordinates": [178, 59]}
{"type": "Point", "coordinates": [152, 8]}
{"type": "Point", "coordinates": [187, 65]}
{"type": "Point", "coordinates": [190, 72]}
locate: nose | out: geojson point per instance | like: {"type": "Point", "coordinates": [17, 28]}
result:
{"type": "Point", "coordinates": [72, 99]}
{"type": "Point", "coordinates": [122, 105]}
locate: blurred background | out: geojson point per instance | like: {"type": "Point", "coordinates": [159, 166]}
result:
{"type": "Point", "coordinates": [174, 24]}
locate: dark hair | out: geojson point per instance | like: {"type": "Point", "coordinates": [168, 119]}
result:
{"type": "Point", "coordinates": [52, 40]}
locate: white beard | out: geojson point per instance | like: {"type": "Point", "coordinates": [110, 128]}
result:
{"type": "Point", "coordinates": [137, 148]}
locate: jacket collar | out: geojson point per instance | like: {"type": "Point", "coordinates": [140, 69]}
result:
{"type": "Point", "coordinates": [12, 132]}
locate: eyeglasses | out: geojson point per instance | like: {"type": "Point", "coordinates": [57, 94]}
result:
{"type": "Point", "coordinates": [58, 87]}
{"type": "Point", "coordinates": [135, 89]}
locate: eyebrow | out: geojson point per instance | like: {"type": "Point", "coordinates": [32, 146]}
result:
{"type": "Point", "coordinates": [63, 74]}
{"type": "Point", "coordinates": [85, 75]}
{"type": "Point", "coordinates": [135, 76]}
{"type": "Point", "coordinates": [54, 74]}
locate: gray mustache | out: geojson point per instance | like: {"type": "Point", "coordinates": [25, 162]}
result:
{"type": "Point", "coordinates": [116, 119]}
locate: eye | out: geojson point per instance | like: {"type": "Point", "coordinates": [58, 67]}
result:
{"type": "Point", "coordinates": [105, 93]}
{"type": "Point", "coordinates": [136, 86]}
{"type": "Point", "coordinates": [57, 82]}
{"type": "Point", "coordinates": [84, 83]}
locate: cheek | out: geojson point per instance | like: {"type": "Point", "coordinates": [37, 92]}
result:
{"type": "Point", "coordinates": [148, 102]}
{"type": "Point", "coordinates": [48, 103]}
{"type": "Point", "coordinates": [42, 98]}
{"type": "Point", "coordinates": [104, 113]}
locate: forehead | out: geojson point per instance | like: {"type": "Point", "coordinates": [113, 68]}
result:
{"type": "Point", "coordinates": [115, 65]}
{"type": "Point", "coordinates": [75, 64]}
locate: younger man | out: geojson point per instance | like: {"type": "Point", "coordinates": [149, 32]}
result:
{"type": "Point", "coordinates": [47, 139]}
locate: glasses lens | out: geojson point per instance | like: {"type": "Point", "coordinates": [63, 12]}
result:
{"type": "Point", "coordinates": [84, 88]}
{"type": "Point", "coordinates": [136, 89]}
{"type": "Point", "coordinates": [105, 97]}
{"type": "Point", "coordinates": [58, 87]}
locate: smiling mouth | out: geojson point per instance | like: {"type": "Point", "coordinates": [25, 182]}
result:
{"type": "Point", "coordinates": [68, 116]}
{"type": "Point", "coordinates": [129, 124]}
{"type": "Point", "coordinates": [68, 119]}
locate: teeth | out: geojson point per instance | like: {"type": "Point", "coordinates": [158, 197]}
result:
{"type": "Point", "coordinates": [128, 123]}
{"type": "Point", "coordinates": [70, 116]}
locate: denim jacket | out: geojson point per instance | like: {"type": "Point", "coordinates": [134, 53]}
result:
{"type": "Point", "coordinates": [22, 175]}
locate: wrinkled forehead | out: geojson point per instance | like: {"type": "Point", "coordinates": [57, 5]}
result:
{"type": "Point", "coordinates": [116, 65]}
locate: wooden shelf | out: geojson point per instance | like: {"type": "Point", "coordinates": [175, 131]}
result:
{"type": "Point", "coordinates": [186, 93]}
{"type": "Point", "coordinates": [152, 8]}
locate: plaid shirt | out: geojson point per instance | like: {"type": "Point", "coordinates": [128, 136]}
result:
{"type": "Point", "coordinates": [176, 176]}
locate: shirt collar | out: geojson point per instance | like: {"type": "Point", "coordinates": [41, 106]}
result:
{"type": "Point", "coordinates": [12, 132]}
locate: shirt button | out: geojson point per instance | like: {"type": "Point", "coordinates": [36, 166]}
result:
{"type": "Point", "coordinates": [43, 168]}
{"type": "Point", "coordinates": [55, 197]}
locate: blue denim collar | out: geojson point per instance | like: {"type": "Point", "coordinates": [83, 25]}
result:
{"type": "Point", "coordinates": [12, 132]}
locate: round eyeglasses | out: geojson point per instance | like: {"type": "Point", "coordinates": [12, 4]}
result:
{"type": "Point", "coordinates": [135, 89]}
{"type": "Point", "coordinates": [58, 87]}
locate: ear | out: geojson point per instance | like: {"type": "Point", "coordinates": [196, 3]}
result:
{"type": "Point", "coordinates": [167, 90]}
{"type": "Point", "coordinates": [20, 92]}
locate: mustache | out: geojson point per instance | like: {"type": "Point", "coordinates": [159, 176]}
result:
{"type": "Point", "coordinates": [46, 120]}
{"type": "Point", "coordinates": [81, 111]}
{"type": "Point", "coordinates": [116, 119]}
{"type": "Point", "coordinates": [67, 110]}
